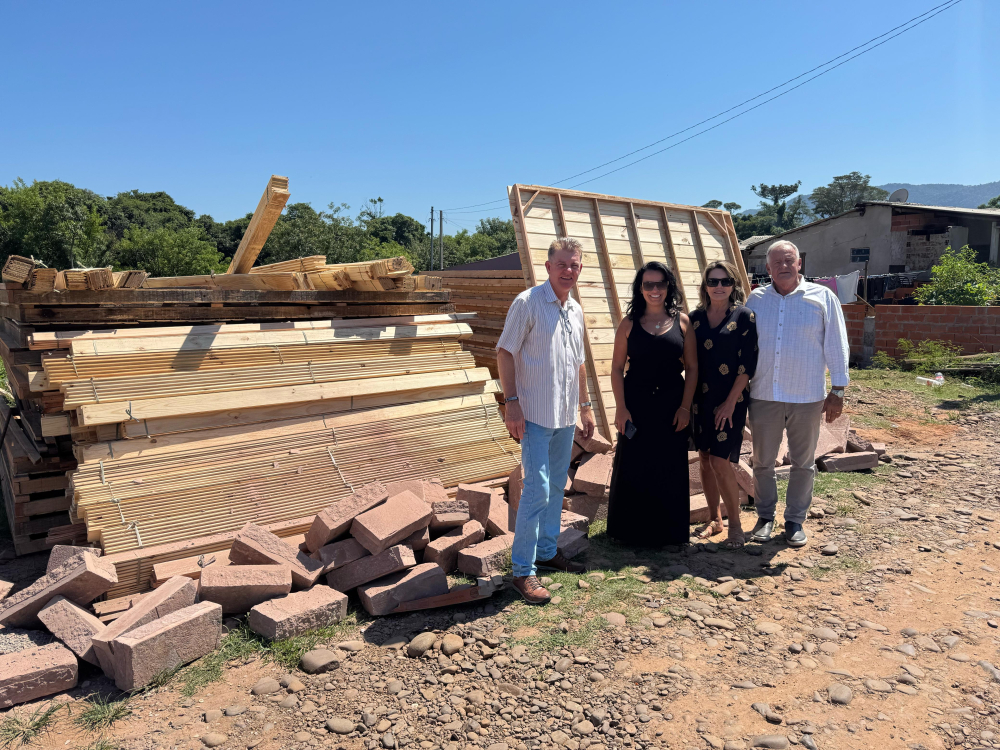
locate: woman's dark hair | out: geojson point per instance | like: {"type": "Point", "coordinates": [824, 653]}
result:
{"type": "Point", "coordinates": [636, 307]}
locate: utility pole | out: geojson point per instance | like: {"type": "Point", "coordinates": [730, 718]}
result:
{"type": "Point", "coordinates": [441, 235]}
{"type": "Point", "coordinates": [432, 241]}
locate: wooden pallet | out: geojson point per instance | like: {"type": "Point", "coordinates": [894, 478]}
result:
{"type": "Point", "coordinates": [618, 235]}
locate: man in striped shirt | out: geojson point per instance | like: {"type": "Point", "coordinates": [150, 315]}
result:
{"type": "Point", "coordinates": [540, 356]}
{"type": "Point", "coordinates": [801, 334]}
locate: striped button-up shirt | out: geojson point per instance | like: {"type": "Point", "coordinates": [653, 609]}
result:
{"type": "Point", "coordinates": [546, 340]}
{"type": "Point", "coordinates": [800, 336]}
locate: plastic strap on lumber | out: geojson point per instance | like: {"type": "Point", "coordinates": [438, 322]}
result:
{"type": "Point", "coordinates": [129, 412]}
{"type": "Point", "coordinates": [93, 386]}
{"type": "Point", "coordinates": [129, 525]}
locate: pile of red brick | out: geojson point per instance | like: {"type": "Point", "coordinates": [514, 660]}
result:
{"type": "Point", "coordinates": [392, 544]}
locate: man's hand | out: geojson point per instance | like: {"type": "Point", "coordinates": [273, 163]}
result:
{"type": "Point", "coordinates": [587, 419]}
{"type": "Point", "coordinates": [833, 406]}
{"type": "Point", "coordinates": [514, 419]}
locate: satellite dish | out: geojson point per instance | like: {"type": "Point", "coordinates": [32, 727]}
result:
{"type": "Point", "coordinates": [899, 196]}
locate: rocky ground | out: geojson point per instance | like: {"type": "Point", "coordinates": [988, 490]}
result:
{"type": "Point", "coordinates": [882, 632]}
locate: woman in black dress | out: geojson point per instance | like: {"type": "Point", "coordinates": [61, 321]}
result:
{"type": "Point", "coordinates": [650, 504]}
{"type": "Point", "coordinates": [727, 357]}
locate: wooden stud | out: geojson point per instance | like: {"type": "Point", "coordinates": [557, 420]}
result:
{"type": "Point", "coordinates": [264, 218]}
{"type": "Point", "coordinates": [616, 307]}
{"type": "Point", "coordinates": [673, 258]}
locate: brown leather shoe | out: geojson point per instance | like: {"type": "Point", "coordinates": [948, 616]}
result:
{"type": "Point", "coordinates": [532, 591]}
{"type": "Point", "coordinates": [560, 562]}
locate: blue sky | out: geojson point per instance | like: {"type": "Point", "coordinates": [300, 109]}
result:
{"type": "Point", "coordinates": [445, 104]}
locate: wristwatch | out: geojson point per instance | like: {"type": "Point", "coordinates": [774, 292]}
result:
{"type": "Point", "coordinates": [511, 398]}
{"type": "Point", "coordinates": [586, 404]}
{"type": "Point", "coordinates": [838, 392]}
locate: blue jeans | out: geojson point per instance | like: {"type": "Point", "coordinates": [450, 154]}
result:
{"type": "Point", "coordinates": [545, 455]}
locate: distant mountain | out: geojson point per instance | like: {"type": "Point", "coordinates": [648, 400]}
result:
{"type": "Point", "coordinates": [940, 194]}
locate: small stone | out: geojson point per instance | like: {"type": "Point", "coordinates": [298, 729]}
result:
{"type": "Point", "coordinates": [563, 665]}
{"type": "Point", "coordinates": [584, 728]}
{"type": "Point", "coordinates": [771, 741]}
{"type": "Point", "coordinates": [302, 736]}
{"type": "Point", "coordinates": [615, 619]}
{"type": "Point", "coordinates": [351, 646]}
{"type": "Point", "coordinates": [265, 686]}
{"type": "Point", "coordinates": [235, 710]}
{"type": "Point", "coordinates": [825, 634]}
{"type": "Point", "coordinates": [319, 660]}
{"type": "Point", "coordinates": [420, 644]}
{"type": "Point", "coordinates": [830, 550]}
{"type": "Point", "coordinates": [769, 628]}
{"type": "Point", "coordinates": [213, 739]}
{"type": "Point", "coordinates": [393, 687]}
{"type": "Point", "coordinates": [451, 644]}
{"type": "Point", "coordinates": [878, 686]}
{"type": "Point", "coordinates": [340, 726]}
{"type": "Point", "coordinates": [840, 694]}
{"type": "Point", "coordinates": [388, 741]}
{"type": "Point", "coordinates": [213, 714]}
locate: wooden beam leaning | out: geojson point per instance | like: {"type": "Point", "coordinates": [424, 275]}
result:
{"type": "Point", "coordinates": [264, 218]}
{"type": "Point", "coordinates": [734, 247]}
{"type": "Point", "coordinates": [673, 258]}
{"type": "Point", "coordinates": [602, 245]}
{"type": "Point", "coordinates": [591, 369]}
{"type": "Point", "coordinates": [525, 252]}
{"type": "Point", "coordinates": [696, 240]}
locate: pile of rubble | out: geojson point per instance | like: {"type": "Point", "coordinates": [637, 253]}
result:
{"type": "Point", "coordinates": [394, 545]}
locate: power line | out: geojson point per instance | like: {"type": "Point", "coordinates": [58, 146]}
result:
{"type": "Point", "coordinates": [925, 16]}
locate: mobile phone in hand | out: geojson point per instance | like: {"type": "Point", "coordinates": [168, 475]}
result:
{"type": "Point", "coordinates": [630, 429]}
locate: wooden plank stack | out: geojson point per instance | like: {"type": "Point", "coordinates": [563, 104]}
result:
{"type": "Point", "coordinates": [618, 235]}
{"type": "Point", "coordinates": [489, 294]}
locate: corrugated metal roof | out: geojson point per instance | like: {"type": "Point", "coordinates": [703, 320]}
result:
{"type": "Point", "coordinates": [756, 239]}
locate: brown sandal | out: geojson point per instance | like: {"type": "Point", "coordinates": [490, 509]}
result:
{"type": "Point", "coordinates": [734, 541]}
{"type": "Point", "coordinates": [711, 529]}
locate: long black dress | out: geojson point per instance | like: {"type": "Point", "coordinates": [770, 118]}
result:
{"type": "Point", "coordinates": [724, 352]}
{"type": "Point", "coordinates": [650, 504]}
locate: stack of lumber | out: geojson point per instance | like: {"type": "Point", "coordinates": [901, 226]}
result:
{"type": "Point", "coordinates": [489, 294]}
{"type": "Point", "coordinates": [184, 433]}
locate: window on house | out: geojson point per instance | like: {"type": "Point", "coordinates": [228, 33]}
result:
{"type": "Point", "coordinates": [897, 269]}
{"type": "Point", "coordinates": [860, 254]}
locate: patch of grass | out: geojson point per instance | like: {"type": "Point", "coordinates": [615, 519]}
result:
{"type": "Point", "coordinates": [19, 730]}
{"type": "Point", "coordinates": [241, 643]}
{"type": "Point", "coordinates": [102, 712]}
{"type": "Point", "coordinates": [102, 744]}
{"type": "Point", "coordinates": [288, 652]}
{"type": "Point", "coordinates": [973, 394]}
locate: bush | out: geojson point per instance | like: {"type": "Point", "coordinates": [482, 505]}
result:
{"type": "Point", "coordinates": [882, 361]}
{"type": "Point", "coordinates": [958, 279]}
{"type": "Point", "coordinates": [930, 356]}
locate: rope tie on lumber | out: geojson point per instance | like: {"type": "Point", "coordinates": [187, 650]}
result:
{"type": "Point", "coordinates": [129, 525]}
{"type": "Point", "coordinates": [493, 437]}
{"type": "Point", "coordinates": [342, 477]}
{"type": "Point", "coordinates": [72, 361]}
{"type": "Point", "coordinates": [93, 385]}
{"type": "Point", "coordinates": [277, 350]}
{"type": "Point", "coordinates": [129, 412]}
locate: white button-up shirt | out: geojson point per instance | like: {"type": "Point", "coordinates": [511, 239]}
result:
{"type": "Point", "coordinates": [546, 339]}
{"type": "Point", "coordinates": [800, 336]}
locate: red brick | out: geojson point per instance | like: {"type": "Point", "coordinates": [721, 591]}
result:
{"type": "Point", "coordinates": [498, 521]}
{"type": "Point", "coordinates": [366, 569]}
{"type": "Point", "coordinates": [570, 520]}
{"type": "Point", "coordinates": [444, 550]}
{"type": "Point", "coordinates": [176, 593]}
{"type": "Point", "coordinates": [81, 580]}
{"type": "Point", "coordinates": [256, 546]}
{"type": "Point", "coordinates": [486, 557]}
{"type": "Point", "coordinates": [36, 672]}
{"type": "Point", "coordinates": [73, 625]}
{"type": "Point", "coordinates": [63, 553]}
{"type": "Point", "coordinates": [336, 520]}
{"type": "Point", "coordinates": [298, 613]}
{"type": "Point", "coordinates": [341, 553]}
{"type": "Point", "coordinates": [583, 505]}
{"type": "Point", "coordinates": [478, 498]}
{"type": "Point", "coordinates": [167, 643]}
{"type": "Point", "coordinates": [449, 514]}
{"type": "Point", "coordinates": [382, 596]}
{"type": "Point", "coordinates": [391, 522]}
{"type": "Point", "coordinates": [594, 474]}
{"type": "Point", "coordinates": [596, 444]}
{"type": "Point", "coordinates": [418, 540]}
{"type": "Point", "coordinates": [849, 461]}
{"type": "Point", "coordinates": [238, 588]}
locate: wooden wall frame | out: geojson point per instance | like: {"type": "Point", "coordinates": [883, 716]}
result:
{"type": "Point", "coordinates": [618, 236]}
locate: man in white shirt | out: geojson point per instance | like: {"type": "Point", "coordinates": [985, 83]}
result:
{"type": "Point", "coordinates": [540, 356]}
{"type": "Point", "coordinates": [800, 334]}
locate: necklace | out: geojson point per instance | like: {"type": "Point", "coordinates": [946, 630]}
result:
{"type": "Point", "coordinates": [660, 325]}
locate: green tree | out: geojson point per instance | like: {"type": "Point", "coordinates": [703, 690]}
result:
{"type": "Point", "coordinates": [166, 252]}
{"type": "Point", "coordinates": [778, 206]}
{"type": "Point", "coordinates": [957, 279]}
{"type": "Point", "coordinates": [147, 210]}
{"type": "Point", "coordinates": [991, 203]}
{"type": "Point", "coordinates": [712, 204]}
{"type": "Point", "coordinates": [843, 193]}
{"type": "Point", "coordinates": [732, 207]}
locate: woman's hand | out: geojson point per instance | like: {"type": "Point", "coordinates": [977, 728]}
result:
{"type": "Point", "coordinates": [724, 413]}
{"type": "Point", "coordinates": [622, 415]}
{"type": "Point", "coordinates": [681, 419]}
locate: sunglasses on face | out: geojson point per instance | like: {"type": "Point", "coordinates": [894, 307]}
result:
{"type": "Point", "coordinates": [728, 281]}
{"type": "Point", "coordinates": [649, 286]}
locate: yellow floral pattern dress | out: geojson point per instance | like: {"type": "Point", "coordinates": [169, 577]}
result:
{"type": "Point", "coordinates": [724, 352]}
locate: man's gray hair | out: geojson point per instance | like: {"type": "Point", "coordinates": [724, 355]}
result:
{"type": "Point", "coordinates": [783, 245]}
{"type": "Point", "coordinates": [565, 243]}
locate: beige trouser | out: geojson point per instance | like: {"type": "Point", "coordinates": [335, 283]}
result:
{"type": "Point", "coordinates": [768, 420]}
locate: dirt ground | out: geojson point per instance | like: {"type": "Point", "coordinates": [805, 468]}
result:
{"type": "Point", "coordinates": [891, 610]}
